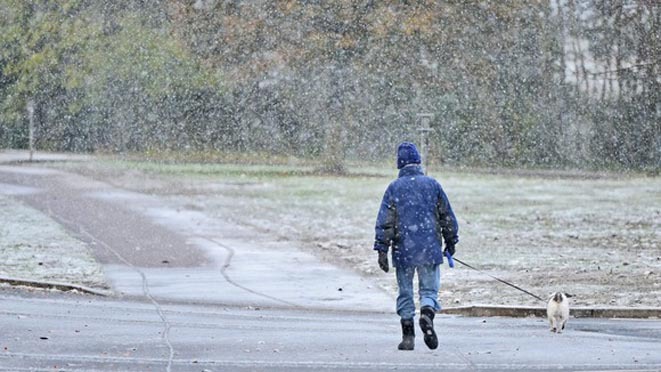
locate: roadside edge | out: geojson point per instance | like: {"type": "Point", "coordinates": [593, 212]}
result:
{"type": "Point", "coordinates": [530, 311]}
{"type": "Point", "coordinates": [65, 287]}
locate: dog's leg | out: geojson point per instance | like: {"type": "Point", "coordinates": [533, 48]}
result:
{"type": "Point", "coordinates": [552, 321]}
{"type": "Point", "coordinates": [560, 325]}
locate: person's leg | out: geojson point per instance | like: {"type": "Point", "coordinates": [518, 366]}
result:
{"type": "Point", "coordinates": [429, 283]}
{"type": "Point", "coordinates": [429, 279]}
{"type": "Point", "coordinates": [406, 307]}
{"type": "Point", "coordinates": [405, 303]}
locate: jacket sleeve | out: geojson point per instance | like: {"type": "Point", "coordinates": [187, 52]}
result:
{"type": "Point", "coordinates": [386, 221]}
{"type": "Point", "coordinates": [447, 220]}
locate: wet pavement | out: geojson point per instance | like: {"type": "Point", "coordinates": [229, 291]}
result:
{"type": "Point", "coordinates": [66, 332]}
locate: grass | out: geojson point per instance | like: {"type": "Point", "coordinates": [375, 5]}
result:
{"type": "Point", "coordinates": [595, 236]}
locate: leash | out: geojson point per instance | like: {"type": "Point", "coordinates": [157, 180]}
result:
{"type": "Point", "coordinates": [451, 263]}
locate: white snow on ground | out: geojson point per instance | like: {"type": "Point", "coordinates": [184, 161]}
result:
{"type": "Point", "coordinates": [34, 247]}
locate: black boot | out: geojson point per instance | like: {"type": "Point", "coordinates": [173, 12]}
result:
{"type": "Point", "coordinates": [408, 335]}
{"type": "Point", "coordinates": [427, 326]}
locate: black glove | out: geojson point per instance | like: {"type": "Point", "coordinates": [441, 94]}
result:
{"type": "Point", "coordinates": [383, 261]}
{"type": "Point", "coordinates": [450, 249]}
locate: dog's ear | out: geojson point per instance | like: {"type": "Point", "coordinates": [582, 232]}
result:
{"type": "Point", "coordinates": [569, 295]}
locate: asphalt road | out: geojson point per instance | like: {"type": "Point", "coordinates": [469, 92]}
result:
{"type": "Point", "coordinates": [55, 331]}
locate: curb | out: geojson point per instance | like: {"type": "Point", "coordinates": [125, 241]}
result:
{"type": "Point", "coordinates": [529, 311]}
{"type": "Point", "coordinates": [65, 287]}
{"type": "Point", "coordinates": [17, 157]}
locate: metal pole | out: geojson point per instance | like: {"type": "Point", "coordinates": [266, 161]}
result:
{"type": "Point", "coordinates": [30, 107]}
{"type": "Point", "coordinates": [424, 130]}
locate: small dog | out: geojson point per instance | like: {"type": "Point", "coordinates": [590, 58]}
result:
{"type": "Point", "coordinates": [557, 311]}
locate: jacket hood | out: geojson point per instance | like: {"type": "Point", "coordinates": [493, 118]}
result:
{"type": "Point", "coordinates": [407, 154]}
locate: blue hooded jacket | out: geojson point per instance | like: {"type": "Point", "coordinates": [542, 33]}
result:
{"type": "Point", "coordinates": [414, 218]}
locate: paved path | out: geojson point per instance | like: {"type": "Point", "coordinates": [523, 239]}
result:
{"type": "Point", "coordinates": [67, 198]}
{"type": "Point", "coordinates": [81, 333]}
{"type": "Point", "coordinates": [156, 248]}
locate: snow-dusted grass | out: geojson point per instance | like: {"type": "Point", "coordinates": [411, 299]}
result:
{"type": "Point", "coordinates": [598, 238]}
{"type": "Point", "coordinates": [33, 246]}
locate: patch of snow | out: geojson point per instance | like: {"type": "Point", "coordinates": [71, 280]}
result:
{"type": "Point", "coordinates": [33, 246]}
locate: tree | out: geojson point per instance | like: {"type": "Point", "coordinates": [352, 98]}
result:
{"type": "Point", "coordinates": [102, 78]}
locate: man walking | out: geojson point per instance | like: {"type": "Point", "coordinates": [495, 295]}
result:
{"type": "Point", "coordinates": [414, 216]}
